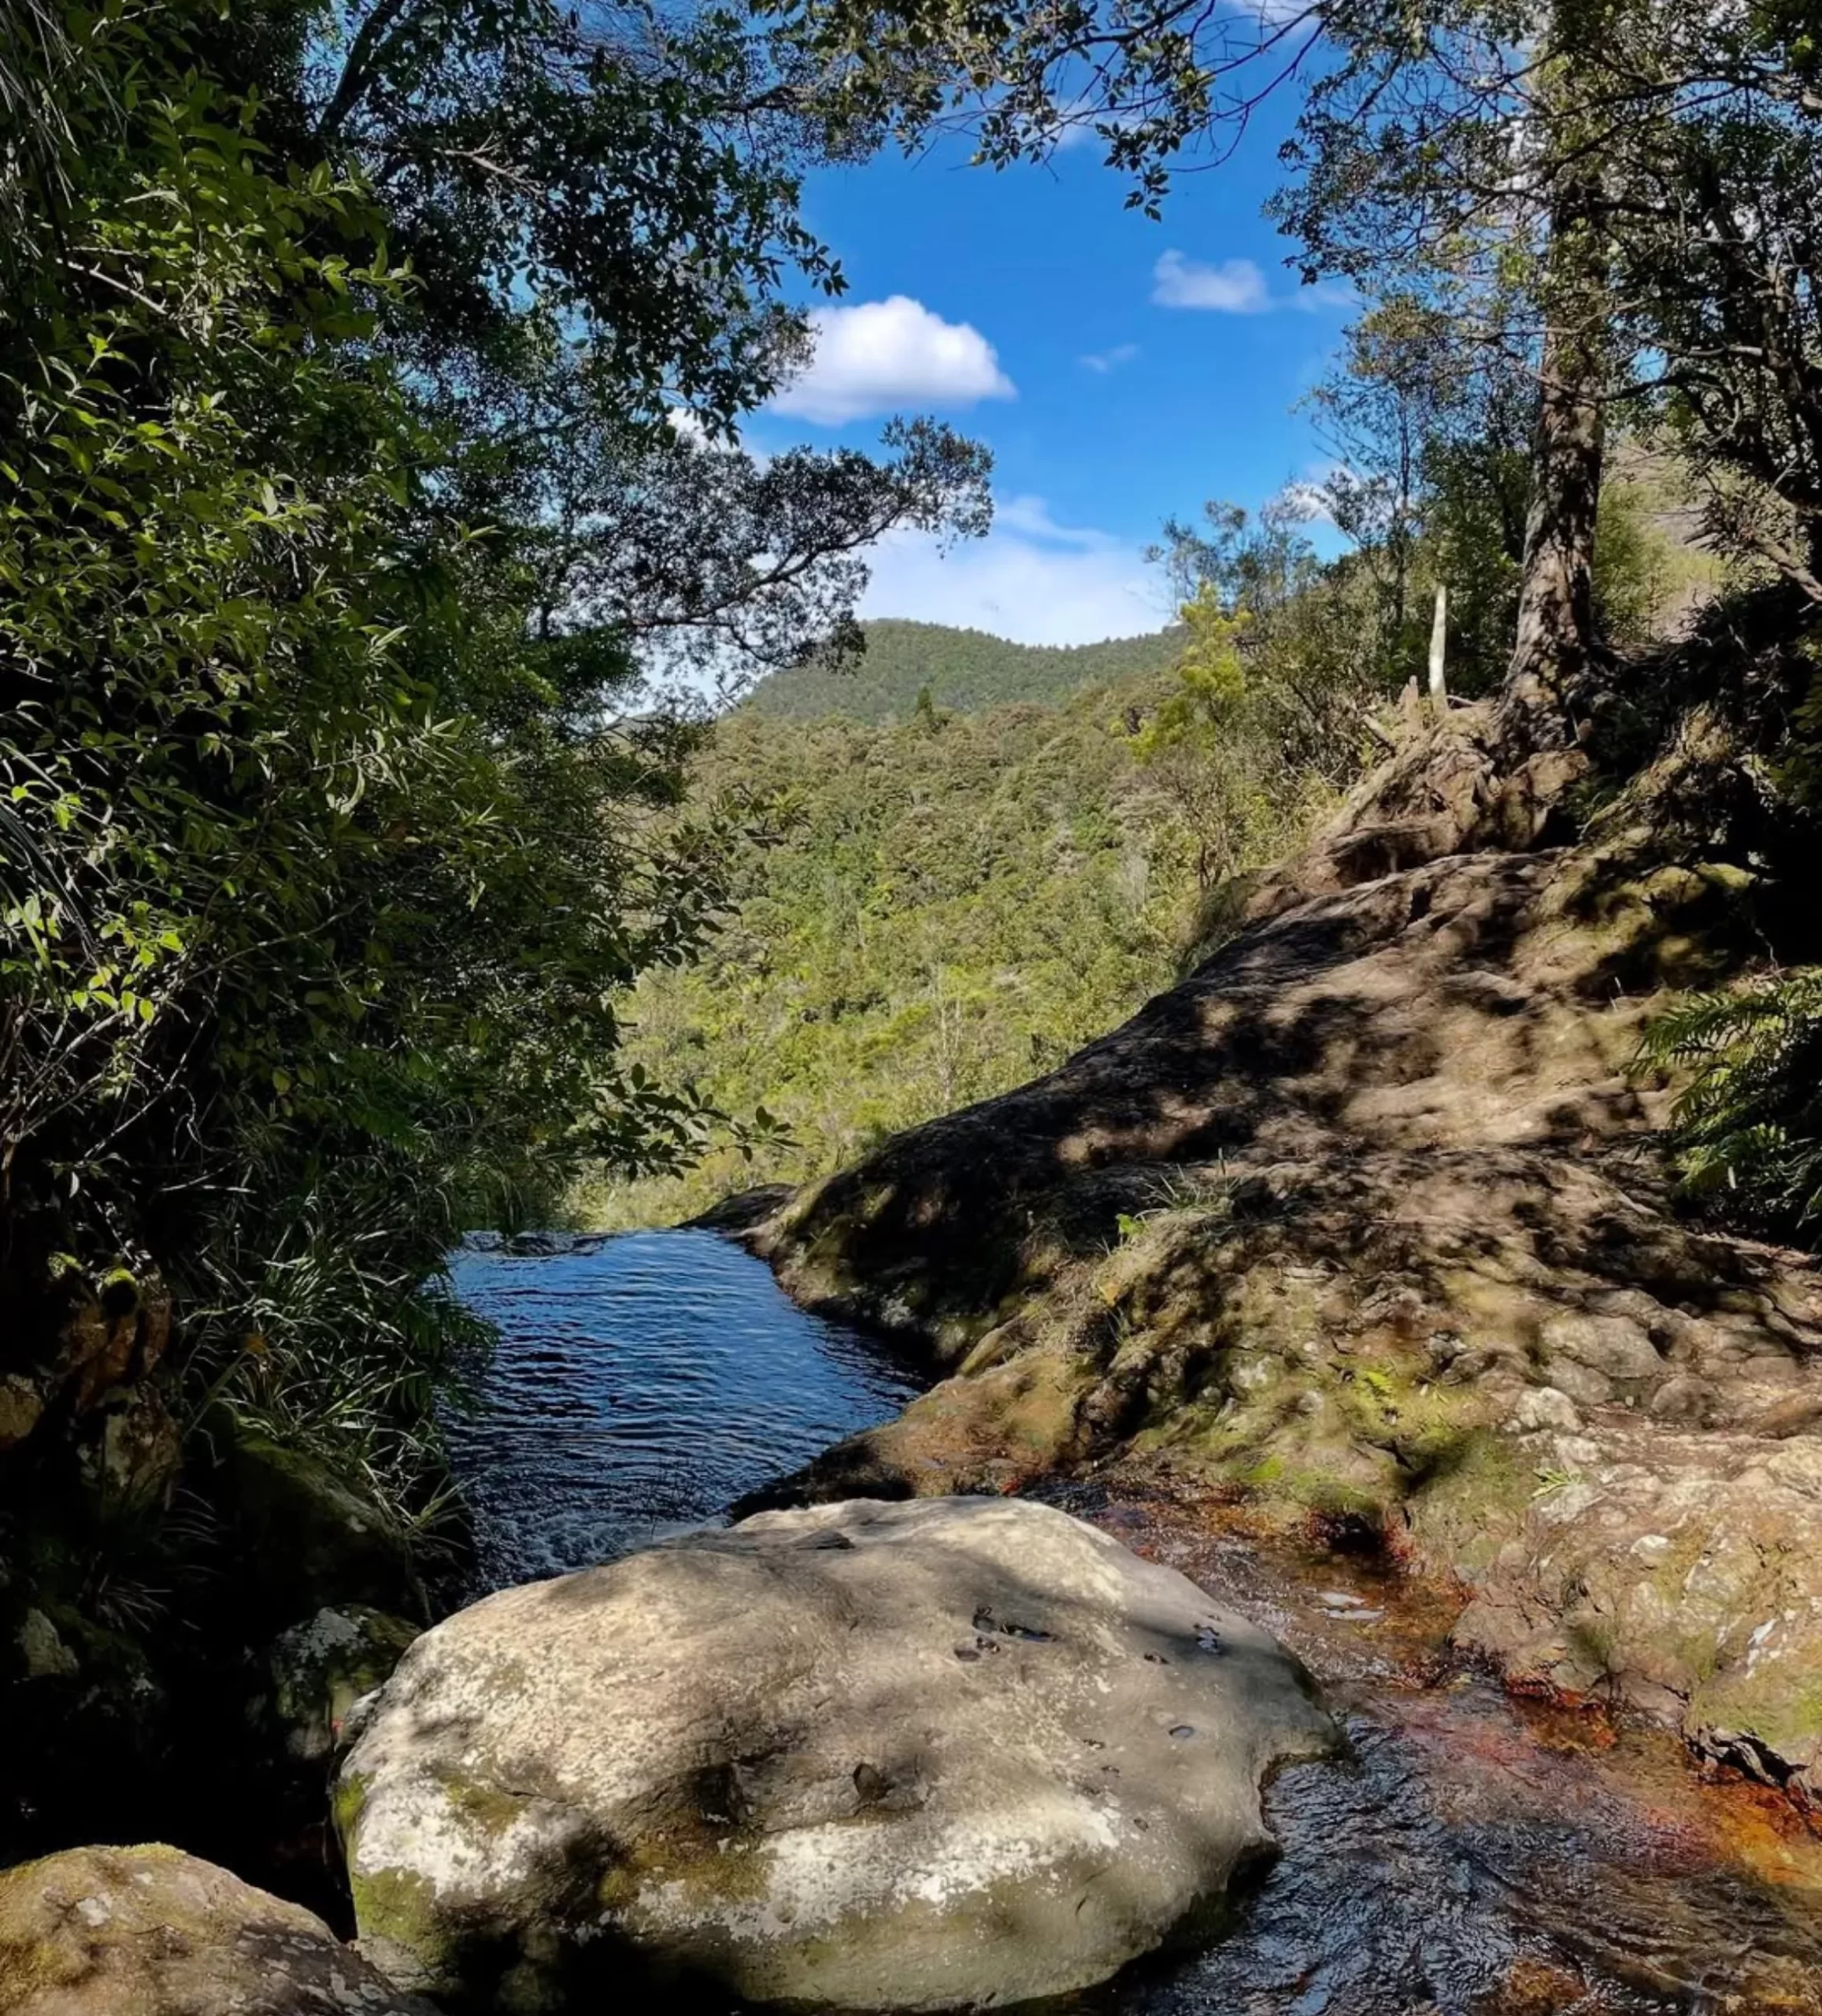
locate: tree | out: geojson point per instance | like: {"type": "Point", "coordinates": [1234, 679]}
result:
{"type": "Point", "coordinates": [1718, 264]}
{"type": "Point", "coordinates": [1430, 483]}
{"type": "Point", "coordinates": [1638, 180]}
{"type": "Point", "coordinates": [1481, 158]}
{"type": "Point", "coordinates": [1278, 642]}
{"type": "Point", "coordinates": [336, 818]}
{"type": "Point", "coordinates": [1194, 742]}
{"type": "Point", "coordinates": [695, 552]}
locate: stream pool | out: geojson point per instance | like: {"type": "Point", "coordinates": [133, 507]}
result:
{"type": "Point", "coordinates": [641, 1384]}
{"type": "Point", "coordinates": [1472, 1856]}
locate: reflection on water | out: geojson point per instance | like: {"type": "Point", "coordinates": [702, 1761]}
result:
{"type": "Point", "coordinates": [1419, 1879]}
{"type": "Point", "coordinates": [642, 1382]}
{"type": "Point", "coordinates": [1472, 1856]}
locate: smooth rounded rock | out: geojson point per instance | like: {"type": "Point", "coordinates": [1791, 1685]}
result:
{"type": "Point", "coordinates": [153, 1932]}
{"type": "Point", "coordinates": [912, 1756]}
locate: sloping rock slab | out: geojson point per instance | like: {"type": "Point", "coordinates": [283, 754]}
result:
{"type": "Point", "coordinates": [959, 1752]}
{"type": "Point", "coordinates": [151, 1932]}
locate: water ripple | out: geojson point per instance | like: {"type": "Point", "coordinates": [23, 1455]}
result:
{"type": "Point", "coordinates": [641, 1384]}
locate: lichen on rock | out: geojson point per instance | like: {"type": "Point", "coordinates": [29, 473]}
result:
{"type": "Point", "coordinates": [151, 1932]}
{"type": "Point", "coordinates": [869, 1756]}
{"type": "Point", "coordinates": [317, 1671]}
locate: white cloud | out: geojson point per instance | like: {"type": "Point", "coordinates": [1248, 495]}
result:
{"type": "Point", "coordinates": [1030, 579]}
{"type": "Point", "coordinates": [1104, 360]}
{"type": "Point", "coordinates": [1310, 501]}
{"type": "Point", "coordinates": [1029, 517]}
{"type": "Point", "coordinates": [1236, 287]}
{"type": "Point", "coordinates": [687, 426]}
{"type": "Point", "coordinates": [879, 356]}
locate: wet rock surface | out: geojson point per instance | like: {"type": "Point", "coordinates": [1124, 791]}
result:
{"type": "Point", "coordinates": [151, 1932]}
{"type": "Point", "coordinates": [1366, 1221]}
{"type": "Point", "coordinates": [868, 1756]}
{"type": "Point", "coordinates": [1476, 1854]}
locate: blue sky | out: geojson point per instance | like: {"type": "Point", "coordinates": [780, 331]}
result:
{"type": "Point", "coordinates": [1121, 370]}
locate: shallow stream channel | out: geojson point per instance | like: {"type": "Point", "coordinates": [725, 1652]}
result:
{"type": "Point", "coordinates": [1473, 1855]}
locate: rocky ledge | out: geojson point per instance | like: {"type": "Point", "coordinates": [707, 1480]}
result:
{"type": "Point", "coordinates": [956, 1754]}
{"type": "Point", "coordinates": [151, 1932]}
{"type": "Point", "coordinates": [1366, 1222]}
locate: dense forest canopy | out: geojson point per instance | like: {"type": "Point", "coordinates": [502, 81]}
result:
{"type": "Point", "coordinates": [946, 903]}
{"type": "Point", "coordinates": [966, 670]}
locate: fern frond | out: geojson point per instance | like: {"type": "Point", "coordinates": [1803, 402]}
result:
{"type": "Point", "coordinates": [1748, 1126]}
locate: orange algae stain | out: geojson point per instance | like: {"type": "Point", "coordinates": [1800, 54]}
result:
{"type": "Point", "coordinates": [1378, 1634]}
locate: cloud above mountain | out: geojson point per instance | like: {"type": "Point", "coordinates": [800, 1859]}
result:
{"type": "Point", "coordinates": [883, 357]}
{"type": "Point", "coordinates": [1032, 578]}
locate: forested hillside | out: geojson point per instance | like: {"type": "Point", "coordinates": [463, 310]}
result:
{"type": "Point", "coordinates": [947, 906]}
{"type": "Point", "coordinates": [947, 886]}
{"type": "Point", "coordinates": [963, 670]}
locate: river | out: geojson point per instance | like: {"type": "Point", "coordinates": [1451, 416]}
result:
{"type": "Point", "coordinates": [1472, 1855]}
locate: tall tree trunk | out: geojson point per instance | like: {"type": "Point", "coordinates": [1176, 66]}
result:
{"type": "Point", "coordinates": [1439, 652]}
{"type": "Point", "coordinates": [1556, 608]}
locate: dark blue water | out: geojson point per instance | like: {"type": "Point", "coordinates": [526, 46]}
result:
{"type": "Point", "coordinates": [642, 1382]}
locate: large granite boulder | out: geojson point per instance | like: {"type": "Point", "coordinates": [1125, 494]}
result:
{"type": "Point", "coordinates": [915, 1756]}
{"type": "Point", "coordinates": [151, 1932]}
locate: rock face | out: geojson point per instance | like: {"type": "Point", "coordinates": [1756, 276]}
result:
{"type": "Point", "coordinates": [318, 1670]}
{"type": "Point", "coordinates": [920, 1756]}
{"type": "Point", "coordinates": [150, 1932]}
{"type": "Point", "coordinates": [313, 1543]}
{"type": "Point", "coordinates": [1366, 1221]}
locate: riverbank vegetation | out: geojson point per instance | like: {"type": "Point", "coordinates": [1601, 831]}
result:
{"type": "Point", "coordinates": [344, 513]}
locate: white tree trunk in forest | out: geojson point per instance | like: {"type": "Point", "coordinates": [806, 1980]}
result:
{"type": "Point", "coordinates": [1438, 650]}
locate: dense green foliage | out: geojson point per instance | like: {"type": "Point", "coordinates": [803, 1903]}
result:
{"type": "Point", "coordinates": [344, 521]}
{"type": "Point", "coordinates": [965, 670]}
{"type": "Point", "coordinates": [1747, 1129]}
{"type": "Point", "coordinates": [950, 905]}
{"type": "Point", "coordinates": [335, 815]}
{"type": "Point", "coordinates": [1750, 1127]}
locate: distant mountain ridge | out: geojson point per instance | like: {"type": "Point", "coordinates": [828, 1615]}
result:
{"type": "Point", "coordinates": [966, 672]}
